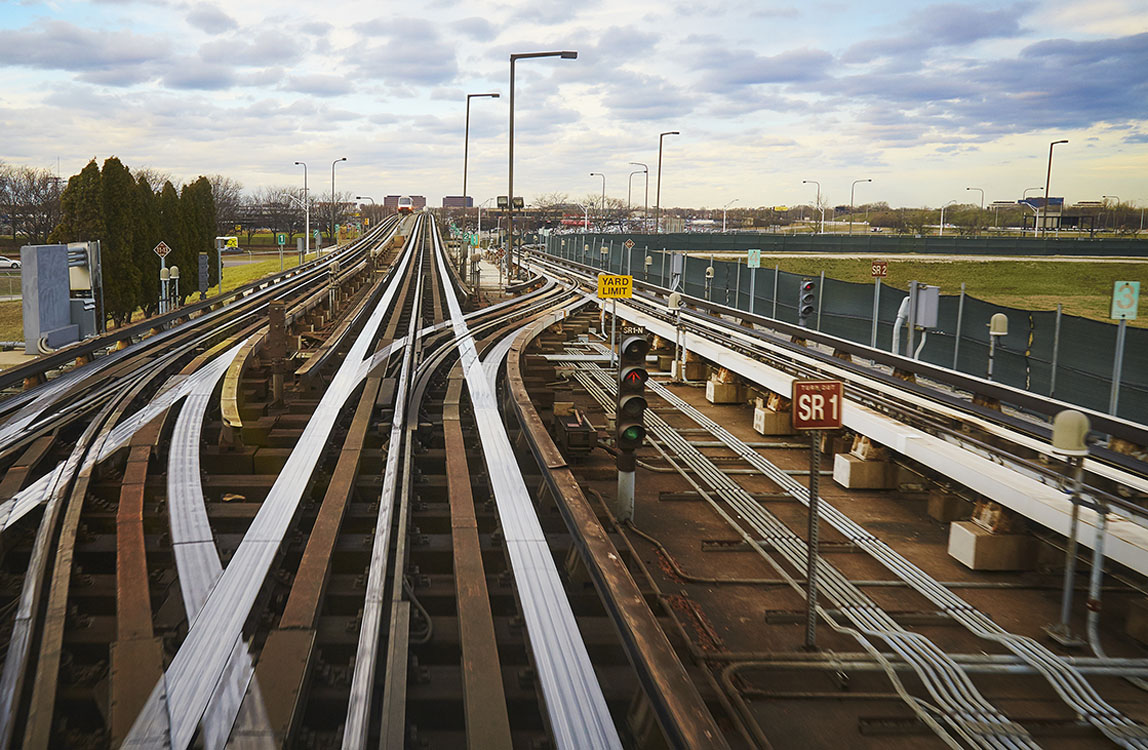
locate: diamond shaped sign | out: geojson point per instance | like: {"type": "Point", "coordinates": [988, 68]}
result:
{"type": "Point", "coordinates": [162, 249]}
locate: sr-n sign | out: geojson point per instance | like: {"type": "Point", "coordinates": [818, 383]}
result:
{"type": "Point", "coordinates": [817, 404]}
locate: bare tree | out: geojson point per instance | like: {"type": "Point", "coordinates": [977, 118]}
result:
{"type": "Point", "coordinates": [228, 195]}
{"type": "Point", "coordinates": [31, 200]}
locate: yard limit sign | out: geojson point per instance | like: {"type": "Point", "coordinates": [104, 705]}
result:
{"type": "Point", "coordinates": [611, 287]}
{"type": "Point", "coordinates": [816, 407]}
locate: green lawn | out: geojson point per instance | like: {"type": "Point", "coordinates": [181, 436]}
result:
{"type": "Point", "coordinates": [1085, 288]}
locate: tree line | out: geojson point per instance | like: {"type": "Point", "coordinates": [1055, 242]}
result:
{"type": "Point", "coordinates": [130, 215]}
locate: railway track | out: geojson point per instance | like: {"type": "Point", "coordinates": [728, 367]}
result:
{"type": "Point", "coordinates": [247, 547]}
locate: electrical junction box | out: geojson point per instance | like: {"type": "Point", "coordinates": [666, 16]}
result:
{"type": "Point", "coordinates": [928, 305]}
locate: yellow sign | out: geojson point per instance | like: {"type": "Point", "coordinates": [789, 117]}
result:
{"type": "Point", "coordinates": [615, 287]}
{"type": "Point", "coordinates": [232, 242]}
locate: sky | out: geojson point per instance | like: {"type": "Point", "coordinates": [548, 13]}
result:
{"type": "Point", "coordinates": [923, 99]}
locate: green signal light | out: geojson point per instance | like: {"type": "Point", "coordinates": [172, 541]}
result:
{"type": "Point", "coordinates": [633, 432]}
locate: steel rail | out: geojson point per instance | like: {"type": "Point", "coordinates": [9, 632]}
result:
{"type": "Point", "coordinates": [1103, 423]}
{"type": "Point", "coordinates": [29, 405]}
{"type": "Point", "coordinates": [198, 567]}
{"type": "Point", "coordinates": [357, 724]}
{"type": "Point", "coordinates": [684, 718]}
{"type": "Point", "coordinates": [1064, 679]}
{"type": "Point", "coordinates": [964, 708]}
{"type": "Point", "coordinates": [579, 716]}
{"type": "Point", "coordinates": [16, 375]}
{"type": "Point", "coordinates": [177, 703]}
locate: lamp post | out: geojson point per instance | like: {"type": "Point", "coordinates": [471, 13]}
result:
{"type": "Point", "coordinates": [819, 206]}
{"type": "Point", "coordinates": [1047, 182]}
{"type": "Point", "coordinates": [982, 192]}
{"type": "Point", "coordinates": [306, 212]}
{"type": "Point", "coordinates": [723, 213]}
{"type": "Point", "coordinates": [1116, 199]}
{"type": "Point", "coordinates": [630, 191]}
{"type": "Point", "coordinates": [658, 197]}
{"type": "Point", "coordinates": [942, 232]}
{"type": "Point", "coordinates": [851, 189]}
{"type": "Point", "coordinates": [334, 239]}
{"type": "Point", "coordinates": [646, 201]}
{"type": "Point", "coordinates": [466, 143]}
{"type": "Point", "coordinates": [366, 198]}
{"type": "Point", "coordinates": [565, 55]}
{"type": "Point", "coordinates": [602, 205]}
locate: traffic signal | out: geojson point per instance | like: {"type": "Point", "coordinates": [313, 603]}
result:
{"type": "Point", "coordinates": [630, 408]}
{"type": "Point", "coordinates": [806, 301]}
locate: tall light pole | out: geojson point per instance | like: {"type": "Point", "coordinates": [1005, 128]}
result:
{"type": "Point", "coordinates": [630, 191]}
{"type": "Point", "coordinates": [646, 202]}
{"type": "Point", "coordinates": [334, 239]}
{"type": "Point", "coordinates": [565, 55]}
{"type": "Point", "coordinates": [658, 197]}
{"type": "Point", "coordinates": [602, 205]}
{"type": "Point", "coordinates": [819, 208]}
{"type": "Point", "coordinates": [851, 189]}
{"type": "Point", "coordinates": [306, 211]}
{"type": "Point", "coordinates": [723, 212]}
{"type": "Point", "coordinates": [942, 232]}
{"type": "Point", "coordinates": [982, 192]}
{"type": "Point", "coordinates": [1047, 182]}
{"type": "Point", "coordinates": [1115, 198]}
{"type": "Point", "coordinates": [466, 143]}
{"type": "Point", "coordinates": [1025, 193]}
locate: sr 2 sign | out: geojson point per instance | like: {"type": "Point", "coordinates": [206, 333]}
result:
{"type": "Point", "coordinates": [817, 404]}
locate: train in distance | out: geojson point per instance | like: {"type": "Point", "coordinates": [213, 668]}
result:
{"type": "Point", "coordinates": [406, 205]}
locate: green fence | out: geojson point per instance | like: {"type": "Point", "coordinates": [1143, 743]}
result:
{"type": "Point", "coordinates": [1067, 357]}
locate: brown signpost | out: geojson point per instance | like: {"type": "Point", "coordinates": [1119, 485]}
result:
{"type": "Point", "coordinates": [817, 405]}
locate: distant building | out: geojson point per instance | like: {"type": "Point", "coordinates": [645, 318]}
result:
{"type": "Point", "coordinates": [457, 201]}
{"type": "Point", "coordinates": [391, 203]}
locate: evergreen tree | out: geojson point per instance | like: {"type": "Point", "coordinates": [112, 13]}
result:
{"type": "Point", "coordinates": [170, 225]}
{"type": "Point", "coordinates": [121, 274]}
{"type": "Point", "coordinates": [197, 211]}
{"type": "Point", "coordinates": [81, 208]}
{"type": "Point", "coordinates": [147, 236]}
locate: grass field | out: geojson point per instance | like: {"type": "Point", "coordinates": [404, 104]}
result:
{"type": "Point", "coordinates": [1085, 289]}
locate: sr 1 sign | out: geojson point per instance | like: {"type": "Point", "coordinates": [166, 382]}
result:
{"type": "Point", "coordinates": [817, 404]}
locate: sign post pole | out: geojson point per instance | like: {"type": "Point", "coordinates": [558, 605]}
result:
{"type": "Point", "coordinates": [1125, 304]}
{"type": "Point", "coordinates": [813, 535]}
{"type": "Point", "coordinates": [817, 406]}
{"type": "Point", "coordinates": [880, 269]}
{"type": "Point", "coordinates": [613, 332]}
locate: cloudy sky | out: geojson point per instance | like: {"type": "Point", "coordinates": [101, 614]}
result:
{"type": "Point", "coordinates": [924, 99]}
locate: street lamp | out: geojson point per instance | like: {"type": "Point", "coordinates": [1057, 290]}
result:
{"type": "Point", "coordinates": [942, 232]}
{"type": "Point", "coordinates": [723, 212]}
{"type": "Point", "coordinates": [565, 55]}
{"type": "Point", "coordinates": [646, 202]}
{"type": "Point", "coordinates": [629, 192]}
{"type": "Point", "coordinates": [851, 189]}
{"type": "Point", "coordinates": [982, 192]}
{"type": "Point", "coordinates": [819, 206]}
{"type": "Point", "coordinates": [603, 204]}
{"type": "Point", "coordinates": [334, 239]}
{"type": "Point", "coordinates": [658, 197]}
{"type": "Point", "coordinates": [306, 212]}
{"type": "Point", "coordinates": [1047, 181]}
{"type": "Point", "coordinates": [466, 143]}
{"type": "Point", "coordinates": [1024, 195]}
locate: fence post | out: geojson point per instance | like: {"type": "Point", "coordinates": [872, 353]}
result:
{"type": "Point", "coordinates": [960, 317]}
{"type": "Point", "coordinates": [776, 272]}
{"type": "Point", "coordinates": [737, 286]}
{"type": "Point", "coordinates": [1055, 348]}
